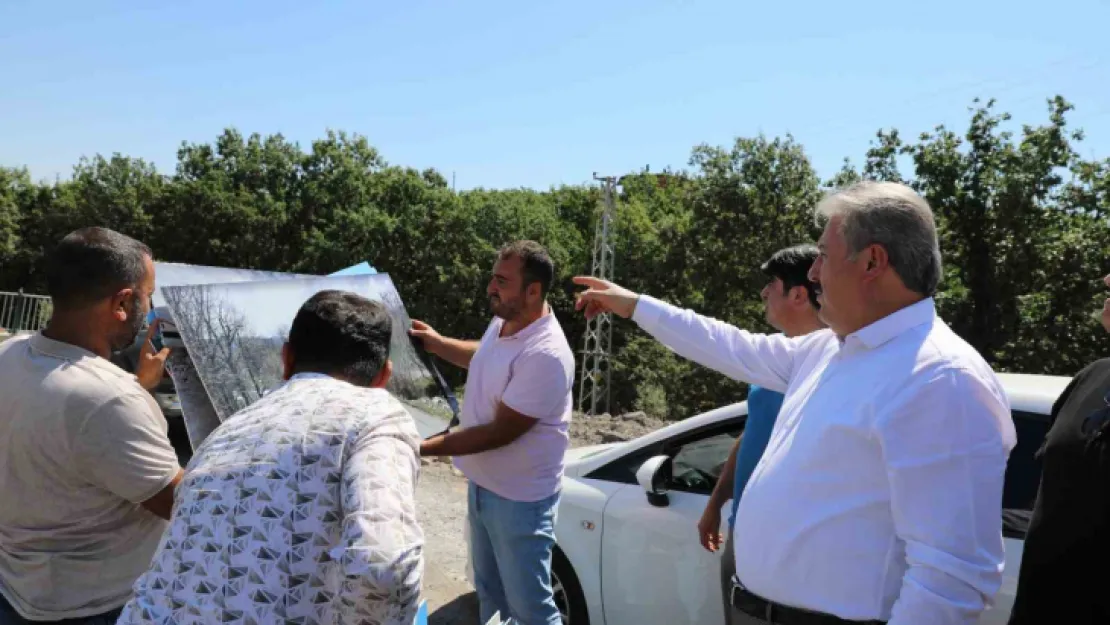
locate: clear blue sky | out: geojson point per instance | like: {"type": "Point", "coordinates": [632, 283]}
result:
{"type": "Point", "coordinates": [511, 94]}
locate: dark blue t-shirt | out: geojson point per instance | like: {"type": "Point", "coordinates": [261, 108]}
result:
{"type": "Point", "coordinates": [763, 409]}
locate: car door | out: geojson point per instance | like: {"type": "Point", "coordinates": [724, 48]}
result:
{"type": "Point", "coordinates": [653, 569]}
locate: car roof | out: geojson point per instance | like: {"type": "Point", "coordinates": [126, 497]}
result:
{"type": "Point", "coordinates": [1026, 392]}
{"type": "Point", "coordinates": [1033, 392]}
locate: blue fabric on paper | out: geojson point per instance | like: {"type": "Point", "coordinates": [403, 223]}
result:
{"type": "Point", "coordinates": [356, 270]}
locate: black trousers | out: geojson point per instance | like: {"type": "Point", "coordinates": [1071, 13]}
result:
{"type": "Point", "coordinates": [728, 569]}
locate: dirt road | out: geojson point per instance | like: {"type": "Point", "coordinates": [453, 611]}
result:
{"type": "Point", "coordinates": [441, 508]}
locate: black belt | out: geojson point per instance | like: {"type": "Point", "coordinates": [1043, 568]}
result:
{"type": "Point", "coordinates": [753, 605]}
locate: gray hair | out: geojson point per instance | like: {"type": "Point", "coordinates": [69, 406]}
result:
{"type": "Point", "coordinates": [894, 216]}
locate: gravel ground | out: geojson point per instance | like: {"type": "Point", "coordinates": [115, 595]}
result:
{"type": "Point", "coordinates": [441, 504]}
{"type": "Point", "coordinates": [441, 509]}
{"type": "Point", "coordinates": [608, 429]}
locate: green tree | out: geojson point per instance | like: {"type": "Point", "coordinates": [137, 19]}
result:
{"type": "Point", "coordinates": [1023, 222]}
{"type": "Point", "coordinates": [15, 185]}
{"type": "Point", "coordinates": [699, 241]}
{"type": "Point", "coordinates": [1022, 247]}
{"type": "Point", "coordinates": [231, 203]}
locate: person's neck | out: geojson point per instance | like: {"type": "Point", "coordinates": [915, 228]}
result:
{"type": "Point", "coordinates": [523, 320]}
{"type": "Point", "coordinates": [377, 382]}
{"type": "Point", "coordinates": [76, 329]}
{"type": "Point", "coordinates": [802, 327]}
{"type": "Point", "coordinates": [884, 307]}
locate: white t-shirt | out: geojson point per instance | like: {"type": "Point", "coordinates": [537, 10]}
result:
{"type": "Point", "coordinates": [532, 372]}
{"type": "Point", "coordinates": [82, 445]}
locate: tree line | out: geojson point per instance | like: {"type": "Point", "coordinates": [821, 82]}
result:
{"type": "Point", "coordinates": [1022, 219]}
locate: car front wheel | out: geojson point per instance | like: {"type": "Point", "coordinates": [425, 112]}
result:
{"type": "Point", "coordinates": [568, 592]}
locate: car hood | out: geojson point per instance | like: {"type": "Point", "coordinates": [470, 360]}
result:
{"type": "Point", "coordinates": [578, 456]}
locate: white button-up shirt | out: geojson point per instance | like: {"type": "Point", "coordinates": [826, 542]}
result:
{"type": "Point", "coordinates": [880, 493]}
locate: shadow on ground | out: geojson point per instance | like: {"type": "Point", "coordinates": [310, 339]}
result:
{"type": "Point", "coordinates": [462, 611]}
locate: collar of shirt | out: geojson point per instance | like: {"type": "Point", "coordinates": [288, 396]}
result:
{"type": "Point", "coordinates": [73, 354]}
{"type": "Point", "coordinates": [532, 328]}
{"type": "Point", "coordinates": [311, 375]}
{"type": "Point", "coordinates": [892, 325]}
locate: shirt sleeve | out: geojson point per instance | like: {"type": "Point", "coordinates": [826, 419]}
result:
{"type": "Point", "coordinates": [766, 360]}
{"type": "Point", "coordinates": [382, 548]}
{"type": "Point", "coordinates": [945, 444]}
{"type": "Point", "coordinates": [540, 385]}
{"type": "Point", "coordinates": [123, 447]}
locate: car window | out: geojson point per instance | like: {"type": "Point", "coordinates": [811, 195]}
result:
{"type": "Point", "coordinates": [1023, 472]}
{"type": "Point", "coordinates": [697, 464]}
{"type": "Point", "coordinates": [623, 469]}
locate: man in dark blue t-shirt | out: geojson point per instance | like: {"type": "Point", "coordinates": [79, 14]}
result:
{"type": "Point", "coordinates": [790, 302]}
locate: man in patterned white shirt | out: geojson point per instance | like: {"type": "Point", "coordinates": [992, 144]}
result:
{"type": "Point", "coordinates": [301, 507]}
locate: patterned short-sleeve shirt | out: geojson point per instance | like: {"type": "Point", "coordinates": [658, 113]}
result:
{"type": "Point", "coordinates": [298, 509]}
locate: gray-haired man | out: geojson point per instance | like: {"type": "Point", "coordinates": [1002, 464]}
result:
{"type": "Point", "coordinates": [879, 495]}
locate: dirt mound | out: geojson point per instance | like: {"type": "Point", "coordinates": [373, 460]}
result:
{"type": "Point", "coordinates": [605, 428]}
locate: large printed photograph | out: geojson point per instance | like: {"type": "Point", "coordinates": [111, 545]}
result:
{"type": "Point", "coordinates": [233, 334]}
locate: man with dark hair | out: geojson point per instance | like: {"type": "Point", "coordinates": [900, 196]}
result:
{"type": "Point", "coordinates": [301, 507]}
{"type": "Point", "coordinates": [791, 267]}
{"type": "Point", "coordinates": [87, 473]}
{"type": "Point", "coordinates": [536, 265]}
{"type": "Point", "coordinates": [360, 351]}
{"type": "Point", "coordinates": [790, 305]}
{"type": "Point", "coordinates": [514, 435]}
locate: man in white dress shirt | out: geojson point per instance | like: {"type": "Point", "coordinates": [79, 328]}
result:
{"type": "Point", "coordinates": [879, 496]}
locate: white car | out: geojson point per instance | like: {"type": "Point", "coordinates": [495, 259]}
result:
{"type": "Point", "coordinates": [627, 543]}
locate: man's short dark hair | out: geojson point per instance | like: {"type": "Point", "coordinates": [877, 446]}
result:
{"type": "Point", "coordinates": [91, 264]}
{"type": "Point", "coordinates": [791, 265]}
{"type": "Point", "coordinates": [538, 266]}
{"type": "Point", "coordinates": [341, 333]}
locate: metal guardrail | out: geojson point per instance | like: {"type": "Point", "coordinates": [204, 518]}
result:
{"type": "Point", "coordinates": [20, 312]}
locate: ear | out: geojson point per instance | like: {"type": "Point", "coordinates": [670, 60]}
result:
{"type": "Point", "coordinates": [120, 304]}
{"type": "Point", "coordinates": [799, 295]}
{"type": "Point", "coordinates": [876, 260]}
{"type": "Point", "coordinates": [286, 361]}
{"type": "Point", "coordinates": [383, 376]}
{"type": "Point", "coordinates": [534, 292]}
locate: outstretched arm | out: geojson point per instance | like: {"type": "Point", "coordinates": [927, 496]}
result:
{"type": "Point", "coordinates": [766, 360]}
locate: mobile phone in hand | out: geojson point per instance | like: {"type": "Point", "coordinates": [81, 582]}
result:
{"type": "Point", "coordinates": [156, 338]}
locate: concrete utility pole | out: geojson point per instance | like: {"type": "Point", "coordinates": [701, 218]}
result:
{"type": "Point", "coordinates": [593, 394]}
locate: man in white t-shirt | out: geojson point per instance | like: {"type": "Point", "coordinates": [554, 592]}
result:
{"type": "Point", "coordinates": [87, 472]}
{"type": "Point", "coordinates": [514, 435]}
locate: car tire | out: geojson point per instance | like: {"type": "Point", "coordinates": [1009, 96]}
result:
{"type": "Point", "coordinates": [568, 592]}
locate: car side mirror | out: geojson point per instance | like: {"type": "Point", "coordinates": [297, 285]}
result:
{"type": "Point", "coordinates": [653, 476]}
